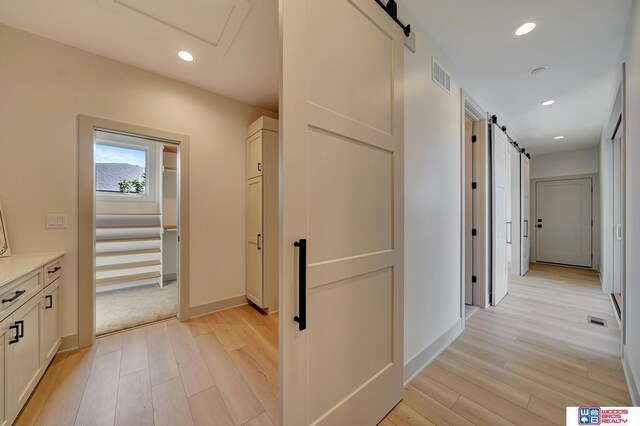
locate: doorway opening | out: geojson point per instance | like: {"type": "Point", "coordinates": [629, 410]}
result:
{"type": "Point", "coordinates": [136, 232]}
{"type": "Point", "coordinates": [474, 213]}
{"type": "Point", "coordinates": [133, 226]}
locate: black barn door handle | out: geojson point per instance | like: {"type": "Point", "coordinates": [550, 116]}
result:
{"type": "Point", "coordinates": [301, 318]}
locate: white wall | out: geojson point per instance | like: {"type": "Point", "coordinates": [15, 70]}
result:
{"type": "Point", "coordinates": [45, 85]}
{"type": "Point", "coordinates": [631, 55]}
{"type": "Point", "coordinates": [433, 201]}
{"type": "Point", "coordinates": [567, 163]}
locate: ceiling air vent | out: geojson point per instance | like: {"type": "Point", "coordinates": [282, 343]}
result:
{"type": "Point", "coordinates": [440, 76]}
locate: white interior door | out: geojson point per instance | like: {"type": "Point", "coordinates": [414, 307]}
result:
{"type": "Point", "coordinates": [525, 184]}
{"type": "Point", "coordinates": [513, 214]}
{"type": "Point", "coordinates": [500, 208]}
{"type": "Point", "coordinates": [617, 215]}
{"type": "Point", "coordinates": [341, 358]}
{"type": "Point", "coordinates": [563, 223]}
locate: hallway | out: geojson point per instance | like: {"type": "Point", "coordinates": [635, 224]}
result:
{"type": "Point", "coordinates": [525, 360]}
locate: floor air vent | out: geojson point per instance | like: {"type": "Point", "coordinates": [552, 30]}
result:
{"type": "Point", "coordinates": [596, 321]}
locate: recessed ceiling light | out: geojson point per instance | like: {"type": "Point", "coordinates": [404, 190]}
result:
{"type": "Point", "coordinates": [525, 28]}
{"type": "Point", "coordinates": [559, 137]}
{"type": "Point", "coordinates": [185, 56]}
{"type": "Point", "coordinates": [549, 102]}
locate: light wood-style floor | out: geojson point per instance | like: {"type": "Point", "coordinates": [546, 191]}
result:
{"type": "Point", "coordinates": [519, 363]}
{"type": "Point", "coordinates": [525, 360]}
{"type": "Point", "coordinates": [221, 369]}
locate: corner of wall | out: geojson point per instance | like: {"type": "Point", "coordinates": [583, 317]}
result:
{"type": "Point", "coordinates": [422, 359]}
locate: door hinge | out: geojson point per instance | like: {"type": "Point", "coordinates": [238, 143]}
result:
{"type": "Point", "coordinates": [474, 139]}
{"type": "Point", "coordinates": [474, 232]}
{"type": "Point", "coordinates": [474, 279]}
{"type": "Point", "coordinates": [474, 185]}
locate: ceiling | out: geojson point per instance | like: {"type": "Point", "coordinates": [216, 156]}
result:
{"type": "Point", "coordinates": [235, 43]}
{"type": "Point", "coordinates": [579, 41]}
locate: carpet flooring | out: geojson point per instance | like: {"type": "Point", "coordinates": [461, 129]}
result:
{"type": "Point", "coordinates": [130, 307]}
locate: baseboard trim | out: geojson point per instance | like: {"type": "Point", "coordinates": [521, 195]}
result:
{"type": "Point", "coordinates": [69, 343]}
{"type": "Point", "coordinates": [633, 381]}
{"type": "Point", "coordinates": [218, 305]}
{"type": "Point", "coordinates": [425, 357]}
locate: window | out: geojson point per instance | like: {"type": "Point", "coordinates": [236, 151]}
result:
{"type": "Point", "coordinates": [121, 170]}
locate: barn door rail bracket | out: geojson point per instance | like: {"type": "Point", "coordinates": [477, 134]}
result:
{"type": "Point", "coordinates": [514, 143]}
{"type": "Point", "coordinates": [392, 10]}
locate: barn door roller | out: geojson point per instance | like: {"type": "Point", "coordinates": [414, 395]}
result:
{"type": "Point", "coordinates": [392, 10]}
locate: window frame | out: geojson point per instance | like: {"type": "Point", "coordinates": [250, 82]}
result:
{"type": "Point", "coordinates": [149, 195]}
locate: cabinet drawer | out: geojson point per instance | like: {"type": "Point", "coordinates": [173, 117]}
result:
{"type": "Point", "coordinates": [18, 292]}
{"type": "Point", "coordinates": [52, 271]}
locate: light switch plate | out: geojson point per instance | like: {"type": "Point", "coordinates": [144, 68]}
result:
{"type": "Point", "coordinates": [55, 221]}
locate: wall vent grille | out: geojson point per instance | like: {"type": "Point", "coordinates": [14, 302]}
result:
{"type": "Point", "coordinates": [441, 77]}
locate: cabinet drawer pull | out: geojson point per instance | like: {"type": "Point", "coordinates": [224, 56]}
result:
{"type": "Point", "coordinates": [15, 296]}
{"type": "Point", "coordinates": [20, 325]}
{"type": "Point", "coordinates": [16, 338]}
{"type": "Point", "coordinates": [259, 167]}
{"type": "Point", "coordinates": [49, 299]}
{"type": "Point", "coordinates": [54, 270]}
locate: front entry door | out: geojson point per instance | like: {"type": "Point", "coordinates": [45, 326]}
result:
{"type": "Point", "coordinates": [341, 360]}
{"type": "Point", "coordinates": [563, 222]}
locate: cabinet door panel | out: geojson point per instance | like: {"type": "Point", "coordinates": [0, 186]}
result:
{"type": "Point", "coordinates": [26, 360]}
{"type": "Point", "coordinates": [255, 241]}
{"type": "Point", "coordinates": [254, 167]}
{"type": "Point", "coordinates": [51, 321]}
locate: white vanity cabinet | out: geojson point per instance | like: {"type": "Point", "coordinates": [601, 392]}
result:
{"type": "Point", "coordinates": [29, 326]}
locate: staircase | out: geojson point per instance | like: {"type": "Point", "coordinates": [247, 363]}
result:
{"type": "Point", "coordinates": [128, 250]}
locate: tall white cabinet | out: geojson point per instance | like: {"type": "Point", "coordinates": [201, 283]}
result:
{"type": "Point", "coordinates": [262, 214]}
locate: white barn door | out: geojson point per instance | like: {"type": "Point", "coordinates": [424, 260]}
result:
{"type": "Point", "coordinates": [514, 229]}
{"type": "Point", "coordinates": [341, 359]}
{"type": "Point", "coordinates": [500, 207]}
{"type": "Point", "coordinates": [526, 215]}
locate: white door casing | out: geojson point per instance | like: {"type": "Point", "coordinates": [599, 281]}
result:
{"type": "Point", "coordinates": [617, 233]}
{"type": "Point", "coordinates": [500, 207]}
{"type": "Point", "coordinates": [342, 167]}
{"type": "Point", "coordinates": [564, 222]}
{"type": "Point", "coordinates": [525, 246]}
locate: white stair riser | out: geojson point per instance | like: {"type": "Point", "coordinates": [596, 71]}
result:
{"type": "Point", "coordinates": [126, 272]}
{"type": "Point", "coordinates": [109, 233]}
{"type": "Point", "coordinates": [123, 260]}
{"type": "Point", "coordinates": [139, 283]}
{"type": "Point", "coordinates": [104, 247]}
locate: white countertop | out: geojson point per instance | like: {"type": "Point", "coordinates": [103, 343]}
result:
{"type": "Point", "coordinates": [15, 266]}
